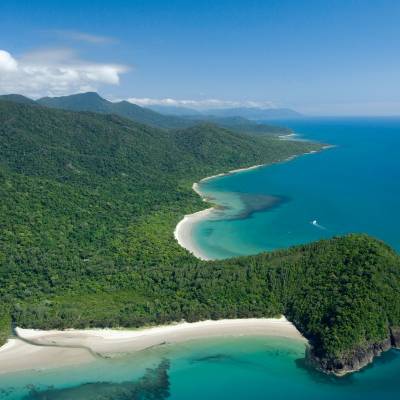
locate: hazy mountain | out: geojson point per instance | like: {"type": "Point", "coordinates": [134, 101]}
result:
{"type": "Point", "coordinates": [17, 98]}
{"type": "Point", "coordinates": [254, 113]}
{"type": "Point", "coordinates": [250, 113]}
{"type": "Point", "coordinates": [92, 102]}
{"type": "Point", "coordinates": [175, 110]}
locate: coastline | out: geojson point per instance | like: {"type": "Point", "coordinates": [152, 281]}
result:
{"type": "Point", "coordinates": [37, 349]}
{"type": "Point", "coordinates": [183, 232]}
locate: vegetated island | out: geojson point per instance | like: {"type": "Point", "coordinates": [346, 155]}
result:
{"type": "Point", "coordinates": [89, 203]}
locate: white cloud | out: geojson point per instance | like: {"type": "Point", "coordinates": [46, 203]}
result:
{"type": "Point", "coordinates": [7, 62]}
{"type": "Point", "coordinates": [200, 104]}
{"type": "Point", "coordinates": [54, 72]}
{"type": "Point", "coordinates": [83, 36]}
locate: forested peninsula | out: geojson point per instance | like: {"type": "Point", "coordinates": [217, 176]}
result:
{"type": "Point", "coordinates": [89, 203]}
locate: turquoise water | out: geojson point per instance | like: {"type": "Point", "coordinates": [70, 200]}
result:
{"type": "Point", "coordinates": [353, 187]}
{"type": "Point", "coordinates": [229, 368]}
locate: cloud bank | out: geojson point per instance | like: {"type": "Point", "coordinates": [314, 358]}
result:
{"type": "Point", "coordinates": [54, 72]}
{"type": "Point", "coordinates": [200, 104]}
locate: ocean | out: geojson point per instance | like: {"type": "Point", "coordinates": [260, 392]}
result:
{"type": "Point", "coordinates": [225, 368]}
{"type": "Point", "coordinates": [353, 187]}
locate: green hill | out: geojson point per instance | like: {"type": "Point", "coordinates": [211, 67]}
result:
{"type": "Point", "coordinates": [40, 141]}
{"type": "Point", "coordinates": [93, 102]}
{"type": "Point", "coordinates": [17, 98]}
{"type": "Point", "coordinates": [242, 125]}
{"type": "Point", "coordinates": [89, 101]}
{"type": "Point", "coordinates": [88, 207]}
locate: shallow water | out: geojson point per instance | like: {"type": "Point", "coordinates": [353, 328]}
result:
{"type": "Point", "coordinates": [353, 187]}
{"type": "Point", "coordinates": [226, 368]}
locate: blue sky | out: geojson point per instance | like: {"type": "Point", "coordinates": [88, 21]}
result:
{"type": "Point", "coordinates": [319, 57]}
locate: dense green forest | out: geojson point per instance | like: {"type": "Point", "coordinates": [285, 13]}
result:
{"type": "Point", "coordinates": [92, 102]}
{"type": "Point", "coordinates": [89, 203]}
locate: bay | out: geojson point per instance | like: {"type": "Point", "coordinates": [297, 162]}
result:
{"type": "Point", "coordinates": [352, 187]}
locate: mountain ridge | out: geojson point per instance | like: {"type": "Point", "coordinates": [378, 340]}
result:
{"type": "Point", "coordinates": [250, 113]}
{"type": "Point", "coordinates": [255, 113]}
{"type": "Point", "coordinates": [92, 101]}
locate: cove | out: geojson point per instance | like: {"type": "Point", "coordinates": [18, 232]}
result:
{"type": "Point", "coordinates": [353, 187]}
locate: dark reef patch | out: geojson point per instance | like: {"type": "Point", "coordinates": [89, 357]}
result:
{"type": "Point", "coordinates": [153, 385]}
{"type": "Point", "coordinates": [252, 203]}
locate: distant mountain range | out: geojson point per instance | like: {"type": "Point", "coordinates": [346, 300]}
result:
{"type": "Point", "coordinates": [254, 113]}
{"type": "Point", "coordinates": [175, 110]}
{"type": "Point", "coordinates": [251, 113]}
{"type": "Point", "coordinates": [92, 102]}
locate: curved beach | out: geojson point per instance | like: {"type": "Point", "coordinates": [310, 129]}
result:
{"type": "Point", "coordinates": [184, 232]}
{"type": "Point", "coordinates": [36, 349]}
{"type": "Point", "coordinates": [184, 229]}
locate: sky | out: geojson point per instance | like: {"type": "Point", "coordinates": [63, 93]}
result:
{"type": "Point", "coordinates": [326, 57]}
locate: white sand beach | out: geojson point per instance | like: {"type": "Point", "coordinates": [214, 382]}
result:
{"type": "Point", "coordinates": [233, 171]}
{"type": "Point", "coordinates": [288, 136]}
{"type": "Point", "coordinates": [184, 229]}
{"type": "Point", "coordinates": [184, 232]}
{"type": "Point", "coordinates": [50, 349]}
{"type": "Point", "coordinates": [17, 355]}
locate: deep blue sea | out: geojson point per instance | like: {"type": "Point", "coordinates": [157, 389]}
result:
{"type": "Point", "coordinates": [354, 187]}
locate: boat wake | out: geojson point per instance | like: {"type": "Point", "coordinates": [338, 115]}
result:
{"type": "Point", "coordinates": [317, 225]}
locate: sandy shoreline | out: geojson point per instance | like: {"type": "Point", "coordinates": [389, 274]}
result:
{"type": "Point", "coordinates": [233, 171]}
{"type": "Point", "coordinates": [183, 232]}
{"type": "Point", "coordinates": [50, 349]}
{"type": "Point", "coordinates": [35, 349]}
